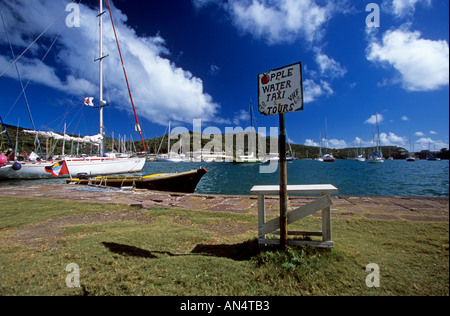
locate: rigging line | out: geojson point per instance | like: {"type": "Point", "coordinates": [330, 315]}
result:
{"type": "Point", "coordinates": [32, 75]}
{"type": "Point", "coordinates": [7, 134]}
{"type": "Point", "coordinates": [138, 127]}
{"type": "Point", "coordinates": [21, 83]}
{"type": "Point", "coordinates": [32, 43]}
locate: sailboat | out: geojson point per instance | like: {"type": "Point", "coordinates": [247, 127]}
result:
{"type": "Point", "coordinates": [377, 155]}
{"type": "Point", "coordinates": [320, 156]}
{"type": "Point", "coordinates": [92, 165]}
{"type": "Point", "coordinates": [327, 157]}
{"type": "Point", "coordinates": [360, 157]}
{"type": "Point", "coordinates": [250, 158]}
{"type": "Point", "coordinates": [411, 156]}
{"type": "Point", "coordinates": [171, 157]}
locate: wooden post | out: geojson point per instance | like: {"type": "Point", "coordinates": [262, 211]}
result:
{"type": "Point", "coordinates": [326, 224]}
{"type": "Point", "coordinates": [283, 182]}
{"type": "Point", "coordinates": [261, 215]}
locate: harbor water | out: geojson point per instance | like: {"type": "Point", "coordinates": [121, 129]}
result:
{"type": "Point", "coordinates": [391, 178]}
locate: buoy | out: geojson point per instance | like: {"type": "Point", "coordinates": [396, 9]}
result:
{"type": "Point", "coordinates": [16, 166]}
{"type": "Point", "coordinates": [3, 160]}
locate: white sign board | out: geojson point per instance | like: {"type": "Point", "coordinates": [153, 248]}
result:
{"type": "Point", "coordinates": [281, 90]}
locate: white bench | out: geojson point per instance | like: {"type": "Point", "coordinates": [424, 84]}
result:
{"type": "Point", "coordinates": [322, 203]}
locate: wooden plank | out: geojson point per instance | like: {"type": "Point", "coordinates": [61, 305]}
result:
{"type": "Point", "coordinates": [261, 214]}
{"type": "Point", "coordinates": [310, 208]}
{"type": "Point", "coordinates": [297, 214]}
{"type": "Point", "coordinates": [304, 189]}
{"type": "Point", "coordinates": [320, 244]}
{"type": "Point", "coordinates": [299, 233]}
{"type": "Point", "coordinates": [326, 223]}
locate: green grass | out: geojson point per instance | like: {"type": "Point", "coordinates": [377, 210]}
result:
{"type": "Point", "coordinates": [188, 252]}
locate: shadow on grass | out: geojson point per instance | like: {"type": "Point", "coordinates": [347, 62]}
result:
{"type": "Point", "coordinates": [237, 252]}
{"type": "Point", "coordinates": [126, 250]}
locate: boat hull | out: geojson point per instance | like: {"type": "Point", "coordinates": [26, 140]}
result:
{"type": "Point", "coordinates": [376, 160]}
{"type": "Point", "coordinates": [184, 182]}
{"type": "Point", "coordinates": [91, 166]}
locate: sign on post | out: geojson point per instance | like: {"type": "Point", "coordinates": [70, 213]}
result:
{"type": "Point", "coordinates": [280, 90]}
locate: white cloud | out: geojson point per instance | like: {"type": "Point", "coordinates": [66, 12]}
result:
{"type": "Point", "coordinates": [241, 117]}
{"type": "Point", "coordinates": [161, 90]}
{"type": "Point", "coordinates": [329, 67]}
{"type": "Point", "coordinates": [419, 134]}
{"type": "Point", "coordinates": [277, 21]}
{"type": "Point", "coordinates": [427, 143]}
{"type": "Point", "coordinates": [213, 69]}
{"type": "Point", "coordinates": [405, 118]}
{"type": "Point", "coordinates": [402, 8]}
{"type": "Point", "coordinates": [359, 142]}
{"type": "Point", "coordinates": [373, 119]}
{"type": "Point", "coordinates": [391, 139]}
{"type": "Point", "coordinates": [313, 90]}
{"type": "Point", "coordinates": [433, 133]}
{"type": "Point", "coordinates": [423, 64]}
{"type": "Point", "coordinates": [337, 143]}
{"type": "Point", "coordinates": [310, 142]}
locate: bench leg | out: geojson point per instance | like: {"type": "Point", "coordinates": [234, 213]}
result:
{"type": "Point", "coordinates": [261, 215]}
{"type": "Point", "coordinates": [326, 224]}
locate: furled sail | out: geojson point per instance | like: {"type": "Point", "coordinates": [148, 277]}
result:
{"type": "Point", "coordinates": [94, 140]}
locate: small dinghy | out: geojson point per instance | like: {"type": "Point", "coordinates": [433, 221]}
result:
{"type": "Point", "coordinates": [184, 182]}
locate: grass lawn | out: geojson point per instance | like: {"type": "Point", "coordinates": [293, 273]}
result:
{"type": "Point", "coordinates": [122, 250]}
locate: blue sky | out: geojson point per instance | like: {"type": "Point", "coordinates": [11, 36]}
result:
{"type": "Point", "coordinates": [200, 59]}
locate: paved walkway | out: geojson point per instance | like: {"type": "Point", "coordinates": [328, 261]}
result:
{"type": "Point", "coordinates": [427, 209]}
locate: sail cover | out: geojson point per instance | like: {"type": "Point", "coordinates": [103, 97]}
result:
{"type": "Point", "coordinates": [94, 140]}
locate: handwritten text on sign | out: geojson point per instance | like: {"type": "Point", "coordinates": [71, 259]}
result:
{"type": "Point", "coordinates": [280, 90]}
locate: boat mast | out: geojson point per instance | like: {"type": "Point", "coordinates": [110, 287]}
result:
{"type": "Point", "coordinates": [378, 136]}
{"type": "Point", "coordinates": [100, 59]}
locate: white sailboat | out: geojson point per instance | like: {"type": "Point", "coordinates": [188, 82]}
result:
{"type": "Point", "coordinates": [320, 156]}
{"type": "Point", "coordinates": [377, 155]}
{"type": "Point", "coordinates": [411, 156]}
{"type": "Point", "coordinates": [360, 157]}
{"type": "Point", "coordinates": [251, 157]}
{"type": "Point", "coordinates": [172, 157]}
{"type": "Point", "coordinates": [327, 157]}
{"type": "Point", "coordinates": [90, 166]}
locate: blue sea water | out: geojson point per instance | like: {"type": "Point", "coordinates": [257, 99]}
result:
{"type": "Point", "coordinates": [391, 178]}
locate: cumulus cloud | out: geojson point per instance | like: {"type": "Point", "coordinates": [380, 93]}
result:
{"type": "Point", "coordinates": [160, 89]}
{"type": "Point", "coordinates": [329, 67]}
{"type": "Point", "coordinates": [284, 21]}
{"type": "Point", "coordinates": [310, 142]}
{"type": "Point", "coordinates": [240, 117]}
{"type": "Point", "coordinates": [402, 8]}
{"type": "Point", "coordinates": [337, 143]}
{"type": "Point", "coordinates": [423, 64]}
{"type": "Point", "coordinates": [392, 139]}
{"type": "Point", "coordinates": [427, 143]}
{"type": "Point", "coordinates": [313, 90]}
{"type": "Point", "coordinates": [374, 118]}
{"type": "Point", "coordinates": [277, 21]}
